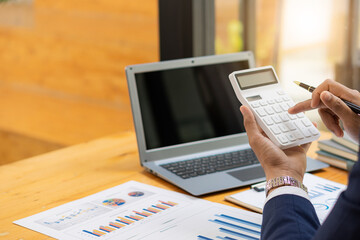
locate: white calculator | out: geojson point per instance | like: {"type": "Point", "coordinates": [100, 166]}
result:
{"type": "Point", "coordinates": [259, 89]}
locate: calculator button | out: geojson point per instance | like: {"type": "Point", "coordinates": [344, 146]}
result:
{"type": "Point", "coordinates": [300, 115]}
{"type": "Point", "coordinates": [306, 122]}
{"type": "Point", "coordinates": [255, 104]}
{"type": "Point", "coordinates": [276, 119]}
{"type": "Point", "coordinates": [298, 124]}
{"type": "Point", "coordinates": [290, 125]}
{"type": "Point", "coordinates": [284, 106]}
{"type": "Point", "coordinates": [277, 108]}
{"type": "Point", "coordinates": [282, 139]}
{"type": "Point", "coordinates": [271, 101]}
{"type": "Point", "coordinates": [261, 112]}
{"type": "Point", "coordinates": [291, 137]}
{"type": "Point", "coordinates": [280, 92]}
{"type": "Point", "coordinates": [278, 100]}
{"type": "Point", "coordinates": [283, 128]}
{"type": "Point", "coordinates": [313, 131]}
{"type": "Point", "coordinates": [269, 110]}
{"type": "Point", "coordinates": [286, 98]}
{"type": "Point", "coordinates": [263, 103]}
{"type": "Point", "coordinates": [291, 116]}
{"type": "Point", "coordinates": [275, 130]}
{"type": "Point", "coordinates": [268, 121]}
{"type": "Point", "coordinates": [306, 132]}
{"type": "Point", "coordinates": [284, 117]}
{"type": "Point", "coordinates": [290, 104]}
{"type": "Point", "coordinates": [298, 135]}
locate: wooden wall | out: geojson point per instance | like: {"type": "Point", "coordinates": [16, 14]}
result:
{"type": "Point", "coordinates": [62, 78]}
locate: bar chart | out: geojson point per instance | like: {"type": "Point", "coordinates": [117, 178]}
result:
{"type": "Point", "coordinates": [234, 227]}
{"type": "Point", "coordinates": [321, 189]}
{"type": "Point", "coordinates": [323, 194]}
{"type": "Point", "coordinates": [157, 214]}
{"type": "Point", "coordinates": [136, 216]}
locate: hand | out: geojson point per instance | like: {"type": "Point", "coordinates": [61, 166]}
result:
{"type": "Point", "coordinates": [276, 162]}
{"type": "Point", "coordinates": [326, 97]}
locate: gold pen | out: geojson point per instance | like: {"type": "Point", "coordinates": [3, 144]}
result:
{"type": "Point", "coordinates": [303, 85]}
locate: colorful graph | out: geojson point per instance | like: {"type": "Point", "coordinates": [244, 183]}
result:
{"type": "Point", "coordinates": [72, 217]}
{"type": "Point", "coordinates": [123, 221]}
{"type": "Point", "coordinates": [320, 207]}
{"type": "Point", "coordinates": [136, 194]}
{"type": "Point", "coordinates": [234, 227]}
{"type": "Point", "coordinates": [314, 194]}
{"type": "Point", "coordinates": [113, 202]}
{"type": "Point", "coordinates": [327, 187]}
{"type": "Point", "coordinates": [321, 189]}
{"type": "Point", "coordinates": [331, 201]}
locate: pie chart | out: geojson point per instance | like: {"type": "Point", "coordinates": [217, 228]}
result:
{"type": "Point", "coordinates": [136, 194]}
{"type": "Point", "coordinates": [113, 202]}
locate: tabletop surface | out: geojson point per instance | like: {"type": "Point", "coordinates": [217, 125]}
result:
{"type": "Point", "coordinates": [37, 184]}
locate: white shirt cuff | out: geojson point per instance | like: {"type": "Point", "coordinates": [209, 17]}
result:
{"type": "Point", "coordinates": [287, 190]}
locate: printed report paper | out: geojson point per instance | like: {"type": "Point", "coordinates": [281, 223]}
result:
{"type": "Point", "coordinates": [323, 194]}
{"type": "Point", "coordinates": [138, 211]}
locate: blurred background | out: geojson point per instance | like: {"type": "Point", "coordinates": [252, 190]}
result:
{"type": "Point", "coordinates": [62, 78]}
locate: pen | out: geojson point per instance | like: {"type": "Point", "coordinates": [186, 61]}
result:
{"type": "Point", "coordinates": [259, 187]}
{"type": "Point", "coordinates": [355, 108]}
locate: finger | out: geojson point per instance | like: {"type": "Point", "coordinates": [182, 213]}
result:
{"type": "Point", "coordinates": [306, 146]}
{"type": "Point", "coordinates": [301, 107]}
{"type": "Point", "coordinates": [324, 86]}
{"type": "Point", "coordinates": [335, 88]}
{"type": "Point", "coordinates": [251, 126]}
{"type": "Point", "coordinates": [249, 121]}
{"type": "Point", "coordinates": [331, 121]}
{"type": "Point", "coordinates": [338, 107]}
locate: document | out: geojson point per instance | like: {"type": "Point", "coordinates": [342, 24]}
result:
{"type": "Point", "coordinates": [138, 211]}
{"type": "Point", "coordinates": [323, 194]}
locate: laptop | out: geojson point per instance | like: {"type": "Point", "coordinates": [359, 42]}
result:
{"type": "Point", "coordinates": [188, 125]}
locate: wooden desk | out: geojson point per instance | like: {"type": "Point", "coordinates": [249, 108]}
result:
{"type": "Point", "coordinates": [36, 184]}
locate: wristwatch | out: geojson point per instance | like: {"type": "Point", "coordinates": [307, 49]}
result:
{"type": "Point", "coordinates": [283, 181]}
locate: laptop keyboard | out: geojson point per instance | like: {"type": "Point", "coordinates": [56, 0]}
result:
{"type": "Point", "coordinates": [210, 164]}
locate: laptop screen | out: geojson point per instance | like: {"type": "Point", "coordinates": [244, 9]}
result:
{"type": "Point", "coordinates": [189, 104]}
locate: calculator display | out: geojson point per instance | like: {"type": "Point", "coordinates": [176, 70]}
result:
{"type": "Point", "coordinates": [253, 98]}
{"type": "Point", "coordinates": [256, 79]}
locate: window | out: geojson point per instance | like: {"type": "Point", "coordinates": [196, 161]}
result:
{"type": "Point", "coordinates": [229, 29]}
{"type": "Point", "coordinates": [304, 40]}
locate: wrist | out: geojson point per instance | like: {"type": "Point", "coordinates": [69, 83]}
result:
{"type": "Point", "coordinates": [282, 181]}
{"type": "Point", "coordinates": [274, 174]}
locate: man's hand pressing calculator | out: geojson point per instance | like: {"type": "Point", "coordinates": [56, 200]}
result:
{"type": "Point", "coordinates": [259, 89]}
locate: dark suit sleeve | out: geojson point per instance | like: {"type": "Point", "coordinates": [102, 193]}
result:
{"type": "Point", "coordinates": [344, 220]}
{"type": "Point", "coordinates": [294, 217]}
{"type": "Point", "coordinates": [289, 217]}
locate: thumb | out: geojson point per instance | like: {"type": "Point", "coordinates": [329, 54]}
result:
{"type": "Point", "coordinates": [336, 105]}
{"type": "Point", "coordinates": [250, 124]}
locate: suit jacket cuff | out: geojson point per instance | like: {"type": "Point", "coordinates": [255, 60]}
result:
{"type": "Point", "coordinates": [287, 190]}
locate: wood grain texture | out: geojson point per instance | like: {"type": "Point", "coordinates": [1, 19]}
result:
{"type": "Point", "coordinates": [62, 78]}
{"type": "Point", "coordinates": [58, 119]}
{"type": "Point", "coordinates": [82, 48]}
{"type": "Point", "coordinates": [43, 182]}
{"type": "Point", "coordinates": [12, 147]}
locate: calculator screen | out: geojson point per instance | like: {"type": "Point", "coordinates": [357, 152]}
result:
{"type": "Point", "coordinates": [256, 79]}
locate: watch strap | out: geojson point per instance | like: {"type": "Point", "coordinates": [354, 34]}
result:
{"type": "Point", "coordinates": [283, 181]}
